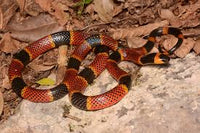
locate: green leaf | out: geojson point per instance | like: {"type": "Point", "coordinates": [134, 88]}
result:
{"type": "Point", "coordinates": [81, 4]}
{"type": "Point", "coordinates": [46, 82]}
{"type": "Point", "coordinates": [88, 1]}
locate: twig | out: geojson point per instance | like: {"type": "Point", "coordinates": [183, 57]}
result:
{"type": "Point", "coordinates": [72, 117]}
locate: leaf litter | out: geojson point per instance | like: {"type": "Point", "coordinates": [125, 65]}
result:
{"type": "Point", "coordinates": [24, 21]}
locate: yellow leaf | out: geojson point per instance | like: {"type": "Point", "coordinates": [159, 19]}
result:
{"type": "Point", "coordinates": [46, 82]}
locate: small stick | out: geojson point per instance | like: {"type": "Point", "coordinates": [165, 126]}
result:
{"type": "Point", "coordinates": [72, 117]}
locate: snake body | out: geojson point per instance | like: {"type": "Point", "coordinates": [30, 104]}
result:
{"type": "Point", "coordinates": [76, 82]}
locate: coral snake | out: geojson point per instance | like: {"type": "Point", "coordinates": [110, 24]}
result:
{"type": "Point", "coordinates": [75, 82]}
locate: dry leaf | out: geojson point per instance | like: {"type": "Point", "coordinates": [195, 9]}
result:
{"type": "Point", "coordinates": [61, 13]}
{"type": "Point", "coordinates": [90, 10]}
{"type": "Point", "coordinates": [10, 45]}
{"type": "Point", "coordinates": [192, 20]}
{"type": "Point", "coordinates": [6, 82]}
{"type": "Point", "coordinates": [135, 42]}
{"type": "Point", "coordinates": [106, 9]}
{"type": "Point", "coordinates": [46, 82]}
{"type": "Point", "coordinates": [76, 24]}
{"type": "Point", "coordinates": [192, 32]}
{"type": "Point", "coordinates": [21, 4]}
{"type": "Point", "coordinates": [59, 9]}
{"type": "Point", "coordinates": [190, 15]}
{"type": "Point", "coordinates": [132, 3]}
{"type": "Point", "coordinates": [7, 10]}
{"type": "Point", "coordinates": [32, 8]}
{"type": "Point", "coordinates": [60, 74]}
{"type": "Point", "coordinates": [34, 28]}
{"type": "Point", "coordinates": [62, 55]}
{"type": "Point", "coordinates": [167, 14]}
{"type": "Point", "coordinates": [40, 67]}
{"type": "Point", "coordinates": [62, 60]}
{"type": "Point", "coordinates": [188, 10]}
{"type": "Point", "coordinates": [139, 31]}
{"type": "Point", "coordinates": [5, 79]}
{"type": "Point", "coordinates": [30, 23]}
{"type": "Point", "coordinates": [1, 102]}
{"type": "Point", "coordinates": [4, 63]}
{"type": "Point", "coordinates": [197, 46]}
{"type": "Point", "coordinates": [46, 62]}
{"type": "Point", "coordinates": [183, 50]}
{"type": "Point", "coordinates": [45, 4]}
{"type": "Point", "coordinates": [187, 16]}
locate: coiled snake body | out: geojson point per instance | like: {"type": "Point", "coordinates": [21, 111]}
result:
{"type": "Point", "coordinates": [76, 82]}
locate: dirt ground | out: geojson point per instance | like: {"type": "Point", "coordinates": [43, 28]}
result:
{"type": "Point", "coordinates": [25, 21]}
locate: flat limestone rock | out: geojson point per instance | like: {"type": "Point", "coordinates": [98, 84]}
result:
{"type": "Point", "coordinates": [162, 100]}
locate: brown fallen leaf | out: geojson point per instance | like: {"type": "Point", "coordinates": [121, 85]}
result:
{"type": "Point", "coordinates": [168, 14]}
{"type": "Point", "coordinates": [62, 55]}
{"type": "Point", "coordinates": [60, 12]}
{"type": "Point", "coordinates": [1, 102]}
{"type": "Point", "coordinates": [189, 14]}
{"type": "Point", "coordinates": [21, 4]}
{"type": "Point", "coordinates": [10, 45]}
{"type": "Point", "coordinates": [122, 33]}
{"type": "Point", "coordinates": [135, 42]}
{"type": "Point", "coordinates": [7, 10]}
{"type": "Point", "coordinates": [4, 63]}
{"type": "Point", "coordinates": [192, 32]}
{"type": "Point", "coordinates": [106, 9]}
{"type": "Point", "coordinates": [45, 4]}
{"type": "Point", "coordinates": [30, 23]}
{"type": "Point", "coordinates": [30, 76]}
{"type": "Point", "coordinates": [32, 8]}
{"type": "Point", "coordinates": [183, 50]}
{"type": "Point", "coordinates": [45, 65]}
{"type": "Point", "coordinates": [90, 10]}
{"type": "Point", "coordinates": [60, 74]}
{"type": "Point", "coordinates": [34, 28]}
{"type": "Point", "coordinates": [185, 2]}
{"type": "Point", "coordinates": [59, 9]}
{"type": "Point", "coordinates": [40, 67]}
{"type": "Point", "coordinates": [197, 46]}
{"type": "Point", "coordinates": [186, 16]}
{"type": "Point", "coordinates": [62, 60]}
{"type": "Point", "coordinates": [5, 82]}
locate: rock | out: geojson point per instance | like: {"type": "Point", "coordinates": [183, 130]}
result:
{"type": "Point", "coordinates": [164, 99]}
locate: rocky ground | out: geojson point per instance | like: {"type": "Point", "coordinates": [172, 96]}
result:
{"type": "Point", "coordinates": [161, 100]}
